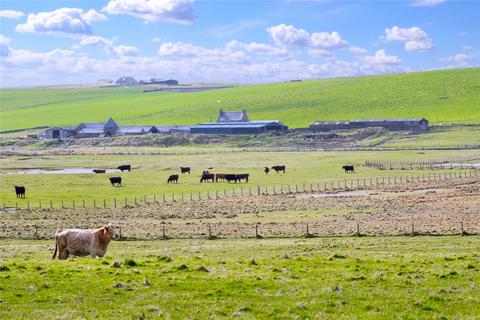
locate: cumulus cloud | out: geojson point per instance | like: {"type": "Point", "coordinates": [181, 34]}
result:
{"type": "Point", "coordinates": [11, 14]}
{"type": "Point", "coordinates": [170, 11]}
{"type": "Point", "coordinates": [357, 51]}
{"type": "Point", "coordinates": [327, 40]}
{"type": "Point", "coordinates": [382, 58]}
{"type": "Point", "coordinates": [415, 38]}
{"type": "Point", "coordinates": [4, 49]}
{"type": "Point", "coordinates": [109, 46]}
{"type": "Point", "coordinates": [258, 48]}
{"type": "Point", "coordinates": [427, 3]}
{"type": "Point", "coordinates": [61, 22]}
{"type": "Point", "coordinates": [459, 60]}
{"type": "Point", "coordinates": [289, 36]}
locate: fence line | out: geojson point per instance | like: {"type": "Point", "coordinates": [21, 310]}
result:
{"type": "Point", "coordinates": [243, 190]}
{"type": "Point", "coordinates": [25, 152]}
{"type": "Point", "coordinates": [444, 163]}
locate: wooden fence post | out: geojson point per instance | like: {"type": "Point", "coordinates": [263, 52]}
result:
{"type": "Point", "coordinates": [358, 229]}
{"type": "Point", "coordinates": [115, 203]}
{"type": "Point", "coordinates": [62, 205]}
{"type": "Point", "coordinates": [83, 201]}
{"type": "Point", "coordinates": [104, 203]}
{"type": "Point", "coordinates": [73, 204]}
{"type": "Point", "coordinates": [39, 204]}
{"type": "Point", "coordinates": [125, 201]}
{"type": "Point", "coordinates": [94, 203]}
{"type": "Point", "coordinates": [51, 204]}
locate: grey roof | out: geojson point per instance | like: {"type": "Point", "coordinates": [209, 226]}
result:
{"type": "Point", "coordinates": [330, 122]}
{"type": "Point", "coordinates": [133, 129]}
{"type": "Point", "coordinates": [228, 116]}
{"type": "Point", "coordinates": [233, 123]}
{"type": "Point", "coordinates": [111, 124]}
{"type": "Point", "coordinates": [388, 120]}
{"type": "Point", "coordinates": [162, 128]}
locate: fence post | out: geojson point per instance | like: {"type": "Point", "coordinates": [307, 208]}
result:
{"type": "Point", "coordinates": [191, 196]}
{"type": "Point", "coordinates": [258, 190]}
{"type": "Point", "coordinates": [163, 197]}
{"type": "Point", "coordinates": [461, 227]}
{"type": "Point", "coordinates": [73, 204]}
{"type": "Point", "coordinates": [144, 199]}
{"type": "Point", "coordinates": [257, 235]}
{"type": "Point", "coordinates": [173, 197]}
{"type": "Point", "coordinates": [125, 201]}
{"type": "Point", "coordinates": [358, 229]}
{"type": "Point", "coordinates": [83, 200]}
{"type": "Point", "coordinates": [115, 203]}
{"type": "Point", "coordinates": [94, 203]}
{"type": "Point", "coordinates": [39, 204]}
{"type": "Point", "coordinates": [413, 229]}
{"type": "Point", "coordinates": [62, 205]}
{"type": "Point", "coordinates": [51, 204]}
{"type": "Point", "coordinates": [28, 205]}
{"type": "Point", "coordinates": [182, 196]}
{"type": "Point", "coordinates": [135, 201]}
{"type": "Point", "coordinates": [104, 203]}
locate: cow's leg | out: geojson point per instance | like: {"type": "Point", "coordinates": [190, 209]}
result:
{"type": "Point", "coordinates": [93, 254]}
{"type": "Point", "coordinates": [62, 253]}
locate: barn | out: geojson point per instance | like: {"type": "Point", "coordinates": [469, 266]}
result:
{"type": "Point", "coordinates": [59, 132]}
{"type": "Point", "coordinates": [417, 124]}
{"type": "Point", "coordinates": [250, 127]}
{"type": "Point", "coordinates": [233, 116]}
{"type": "Point", "coordinates": [126, 81]}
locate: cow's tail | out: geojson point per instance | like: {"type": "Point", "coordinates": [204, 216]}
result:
{"type": "Point", "coordinates": [56, 247]}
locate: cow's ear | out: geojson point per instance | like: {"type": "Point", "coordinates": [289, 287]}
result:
{"type": "Point", "coordinates": [107, 227]}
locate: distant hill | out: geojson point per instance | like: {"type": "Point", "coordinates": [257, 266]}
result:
{"type": "Point", "coordinates": [447, 96]}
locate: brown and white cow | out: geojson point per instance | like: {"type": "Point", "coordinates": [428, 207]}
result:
{"type": "Point", "coordinates": [84, 242]}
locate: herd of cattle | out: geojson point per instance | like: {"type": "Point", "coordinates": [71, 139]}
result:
{"type": "Point", "coordinates": [206, 176]}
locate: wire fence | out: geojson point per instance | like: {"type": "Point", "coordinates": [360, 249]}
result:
{"type": "Point", "coordinates": [459, 162]}
{"type": "Point", "coordinates": [238, 190]}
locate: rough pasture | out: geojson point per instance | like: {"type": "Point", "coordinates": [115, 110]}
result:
{"type": "Point", "coordinates": [328, 278]}
{"type": "Point", "coordinates": [152, 171]}
{"type": "Point", "coordinates": [434, 207]}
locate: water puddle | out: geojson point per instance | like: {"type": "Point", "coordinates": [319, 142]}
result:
{"type": "Point", "coordinates": [60, 171]}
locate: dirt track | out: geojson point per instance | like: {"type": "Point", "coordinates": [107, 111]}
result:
{"type": "Point", "coordinates": [432, 207]}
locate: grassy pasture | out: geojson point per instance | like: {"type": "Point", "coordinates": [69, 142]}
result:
{"type": "Point", "coordinates": [327, 278]}
{"type": "Point", "coordinates": [296, 104]}
{"type": "Point", "coordinates": [150, 173]}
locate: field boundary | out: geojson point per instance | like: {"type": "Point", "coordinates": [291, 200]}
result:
{"type": "Point", "coordinates": [239, 190]}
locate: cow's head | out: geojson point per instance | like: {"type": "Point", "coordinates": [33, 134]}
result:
{"type": "Point", "coordinates": [113, 230]}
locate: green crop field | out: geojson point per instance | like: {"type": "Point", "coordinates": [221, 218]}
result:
{"type": "Point", "coordinates": [150, 173]}
{"type": "Point", "coordinates": [320, 278]}
{"type": "Point", "coordinates": [440, 96]}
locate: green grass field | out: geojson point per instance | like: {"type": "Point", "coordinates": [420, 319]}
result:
{"type": "Point", "coordinates": [150, 173]}
{"type": "Point", "coordinates": [296, 104]}
{"type": "Point", "coordinates": [321, 278]}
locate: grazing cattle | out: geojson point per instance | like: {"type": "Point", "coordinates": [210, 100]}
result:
{"type": "Point", "coordinates": [206, 177]}
{"type": "Point", "coordinates": [243, 176]}
{"type": "Point", "coordinates": [98, 171]}
{"type": "Point", "coordinates": [173, 178]}
{"type": "Point", "coordinates": [78, 242]}
{"type": "Point", "coordinates": [348, 168]}
{"type": "Point", "coordinates": [20, 191]}
{"type": "Point", "coordinates": [266, 170]}
{"type": "Point", "coordinates": [185, 170]}
{"type": "Point", "coordinates": [231, 177]}
{"type": "Point", "coordinates": [116, 180]}
{"type": "Point", "coordinates": [219, 176]}
{"type": "Point", "coordinates": [279, 168]}
{"type": "Point", "coordinates": [126, 167]}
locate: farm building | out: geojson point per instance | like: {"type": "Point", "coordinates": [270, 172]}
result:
{"type": "Point", "coordinates": [420, 124]}
{"type": "Point", "coordinates": [247, 127]}
{"type": "Point", "coordinates": [126, 81]}
{"type": "Point", "coordinates": [109, 128]}
{"type": "Point", "coordinates": [237, 122]}
{"type": "Point", "coordinates": [233, 116]}
{"type": "Point", "coordinates": [59, 132]}
{"type": "Point", "coordinates": [169, 82]}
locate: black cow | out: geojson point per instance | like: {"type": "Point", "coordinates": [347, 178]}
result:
{"type": "Point", "coordinates": [207, 177]}
{"type": "Point", "coordinates": [116, 180]}
{"type": "Point", "coordinates": [219, 176]}
{"type": "Point", "coordinates": [242, 176]}
{"type": "Point", "coordinates": [348, 168]}
{"type": "Point", "coordinates": [20, 191]}
{"type": "Point", "coordinates": [98, 171]}
{"type": "Point", "coordinates": [126, 167]}
{"type": "Point", "coordinates": [173, 178]}
{"type": "Point", "coordinates": [231, 177]}
{"type": "Point", "coordinates": [185, 170]}
{"type": "Point", "coordinates": [279, 168]}
{"type": "Point", "coordinates": [266, 170]}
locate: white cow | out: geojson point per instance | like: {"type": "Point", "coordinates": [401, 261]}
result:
{"type": "Point", "coordinates": [79, 242]}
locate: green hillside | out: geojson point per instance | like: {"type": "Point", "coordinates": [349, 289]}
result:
{"type": "Point", "coordinates": [448, 96]}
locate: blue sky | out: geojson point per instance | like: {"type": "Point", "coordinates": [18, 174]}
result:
{"type": "Point", "coordinates": [56, 42]}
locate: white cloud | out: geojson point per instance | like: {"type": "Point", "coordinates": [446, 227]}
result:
{"type": "Point", "coordinates": [327, 40]}
{"type": "Point", "coordinates": [357, 51]}
{"type": "Point", "coordinates": [234, 28]}
{"type": "Point", "coordinates": [4, 40]}
{"type": "Point", "coordinates": [415, 38]}
{"type": "Point", "coordinates": [4, 49]}
{"type": "Point", "coordinates": [182, 49]}
{"type": "Point", "coordinates": [258, 48]}
{"type": "Point", "coordinates": [125, 51]}
{"type": "Point", "coordinates": [11, 14]}
{"type": "Point", "coordinates": [427, 3]}
{"type": "Point", "coordinates": [170, 11]}
{"type": "Point", "coordinates": [289, 36]}
{"type": "Point", "coordinates": [459, 58]}
{"type": "Point", "coordinates": [61, 22]}
{"type": "Point", "coordinates": [382, 58]}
